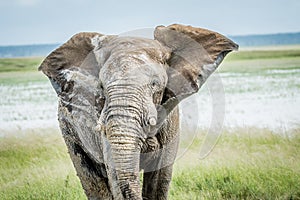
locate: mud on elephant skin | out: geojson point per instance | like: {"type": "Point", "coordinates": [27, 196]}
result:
{"type": "Point", "coordinates": [118, 101]}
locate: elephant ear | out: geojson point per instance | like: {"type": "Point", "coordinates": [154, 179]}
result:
{"type": "Point", "coordinates": [74, 73]}
{"type": "Point", "coordinates": [195, 55]}
{"type": "Point", "coordinates": [75, 54]}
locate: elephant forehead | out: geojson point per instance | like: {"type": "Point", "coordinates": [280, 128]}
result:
{"type": "Point", "coordinates": [133, 70]}
{"type": "Point", "coordinates": [141, 47]}
{"type": "Point", "coordinates": [134, 58]}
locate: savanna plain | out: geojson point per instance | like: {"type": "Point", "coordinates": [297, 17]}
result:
{"type": "Point", "coordinates": [249, 161]}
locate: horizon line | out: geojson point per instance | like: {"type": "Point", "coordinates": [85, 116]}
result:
{"type": "Point", "coordinates": [246, 35]}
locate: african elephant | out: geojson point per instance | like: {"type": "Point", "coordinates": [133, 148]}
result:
{"type": "Point", "coordinates": [118, 100]}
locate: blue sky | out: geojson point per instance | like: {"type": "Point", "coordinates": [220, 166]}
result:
{"type": "Point", "coordinates": [54, 21]}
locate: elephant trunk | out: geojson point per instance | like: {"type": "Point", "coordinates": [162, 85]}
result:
{"type": "Point", "coordinates": [123, 159]}
{"type": "Point", "coordinates": [124, 133]}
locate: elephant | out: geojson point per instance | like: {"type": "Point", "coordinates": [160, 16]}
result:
{"type": "Point", "coordinates": [118, 102]}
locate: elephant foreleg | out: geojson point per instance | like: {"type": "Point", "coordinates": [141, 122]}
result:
{"type": "Point", "coordinates": [93, 181]}
{"type": "Point", "coordinates": [156, 183]}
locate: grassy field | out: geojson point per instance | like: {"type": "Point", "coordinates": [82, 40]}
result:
{"type": "Point", "coordinates": [19, 64]}
{"type": "Point", "coordinates": [247, 163]}
{"type": "Point", "coordinates": [37, 166]}
{"type": "Point", "coordinates": [260, 59]}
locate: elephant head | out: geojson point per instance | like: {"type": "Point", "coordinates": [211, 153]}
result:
{"type": "Point", "coordinates": [115, 92]}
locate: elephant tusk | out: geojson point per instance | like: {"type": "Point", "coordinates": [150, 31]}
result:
{"type": "Point", "coordinates": [152, 121]}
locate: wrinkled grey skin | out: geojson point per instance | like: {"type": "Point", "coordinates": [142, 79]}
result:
{"type": "Point", "coordinates": [118, 101]}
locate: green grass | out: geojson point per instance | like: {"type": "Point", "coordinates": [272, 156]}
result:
{"type": "Point", "coordinates": [263, 54]}
{"type": "Point", "coordinates": [20, 71]}
{"type": "Point", "coordinates": [19, 64]}
{"type": "Point", "coordinates": [37, 166]}
{"type": "Point", "coordinates": [25, 77]}
{"type": "Point", "coordinates": [257, 61]}
{"type": "Point", "coordinates": [245, 164]}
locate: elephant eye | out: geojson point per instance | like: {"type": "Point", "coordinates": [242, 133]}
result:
{"type": "Point", "coordinates": [155, 84]}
